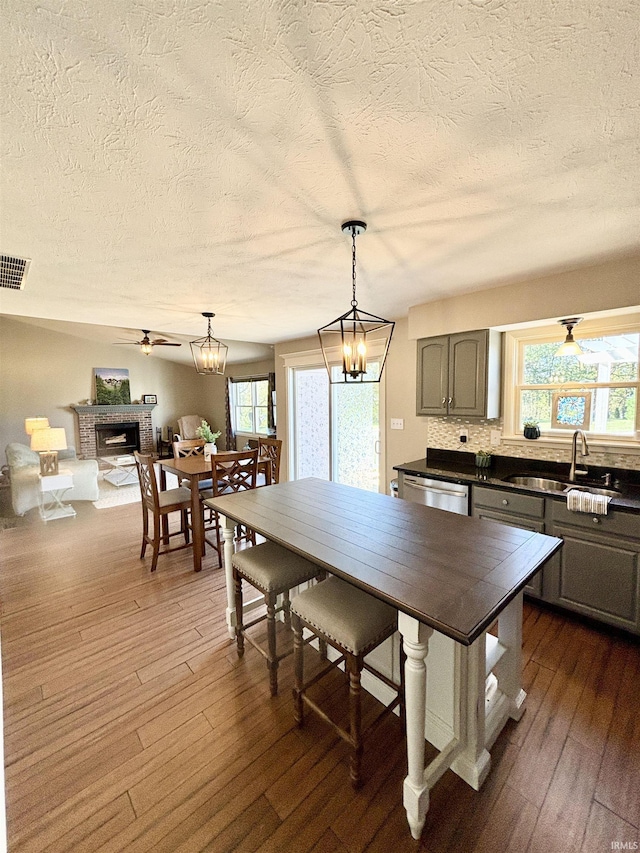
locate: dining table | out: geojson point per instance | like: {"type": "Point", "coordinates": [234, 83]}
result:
{"type": "Point", "coordinates": [194, 469]}
{"type": "Point", "coordinates": [456, 583]}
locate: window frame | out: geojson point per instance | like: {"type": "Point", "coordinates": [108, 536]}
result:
{"type": "Point", "coordinates": [253, 381]}
{"type": "Point", "coordinates": [515, 340]}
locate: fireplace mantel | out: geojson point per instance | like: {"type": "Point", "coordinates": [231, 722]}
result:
{"type": "Point", "coordinates": [88, 416]}
{"type": "Point", "coordinates": [121, 409]}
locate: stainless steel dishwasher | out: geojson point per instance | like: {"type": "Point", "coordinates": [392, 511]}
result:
{"type": "Point", "coordinates": [452, 497]}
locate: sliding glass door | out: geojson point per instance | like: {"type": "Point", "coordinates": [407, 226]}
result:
{"type": "Point", "coordinates": [335, 429]}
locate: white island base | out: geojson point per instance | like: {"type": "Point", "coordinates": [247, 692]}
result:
{"type": "Point", "coordinates": [458, 697]}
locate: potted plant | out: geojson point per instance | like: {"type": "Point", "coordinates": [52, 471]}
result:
{"type": "Point", "coordinates": [483, 459]}
{"type": "Point", "coordinates": [204, 431]}
{"type": "Point", "coordinates": [531, 429]}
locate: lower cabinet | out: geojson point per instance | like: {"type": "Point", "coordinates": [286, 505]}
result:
{"type": "Point", "coordinates": [597, 570]}
{"type": "Point", "coordinates": [516, 510]}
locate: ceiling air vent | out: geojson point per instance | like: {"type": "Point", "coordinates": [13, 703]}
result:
{"type": "Point", "coordinates": [13, 271]}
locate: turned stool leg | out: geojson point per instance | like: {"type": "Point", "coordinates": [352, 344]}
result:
{"type": "Point", "coordinates": [355, 718]}
{"type": "Point", "coordinates": [237, 581]}
{"type": "Point", "coordinates": [286, 608]}
{"type": "Point", "coordinates": [272, 658]}
{"type": "Point", "coordinates": [298, 660]}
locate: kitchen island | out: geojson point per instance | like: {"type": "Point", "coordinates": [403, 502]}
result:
{"type": "Point", "coordinates": [449, 577]}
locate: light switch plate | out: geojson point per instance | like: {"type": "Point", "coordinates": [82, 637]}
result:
{"type": "Point", "coordinates": [496, 437]}
{"type": "Point", "coordinates": [397, 423]}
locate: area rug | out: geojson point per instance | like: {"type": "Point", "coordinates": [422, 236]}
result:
{"type": "Point", "coordinates": [111, 495]}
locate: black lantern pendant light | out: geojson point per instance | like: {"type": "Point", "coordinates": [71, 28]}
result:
{"type": "Point", "coordinates": [209, 355]}
{"type": "Point", "coordinates": [354, 332]}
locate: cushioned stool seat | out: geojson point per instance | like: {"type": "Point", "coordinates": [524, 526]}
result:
{"type": "Point", "coordinates": [273, 571]}
{"type": "Point", "coordinates": [354, 623]}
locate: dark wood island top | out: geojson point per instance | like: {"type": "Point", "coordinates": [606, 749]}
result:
{"type": "Point", "coordinates": [451, 572]}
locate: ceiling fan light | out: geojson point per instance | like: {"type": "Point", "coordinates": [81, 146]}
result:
{"type": "Point", "coordinates": [146, 347]}
{"type": "Point", "coordinates": [209, 354]}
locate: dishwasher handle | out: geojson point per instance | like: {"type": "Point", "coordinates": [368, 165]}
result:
{"type": "Point", "coordinates": [413, 485]}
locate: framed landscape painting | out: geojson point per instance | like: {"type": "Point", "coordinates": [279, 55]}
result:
{"type": "Point", "coordinates": [112, 386]}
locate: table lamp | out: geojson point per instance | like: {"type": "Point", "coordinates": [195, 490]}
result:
{"type": "Point", "coordinates": [48, 442]}
{"type": "Point", "coordinates": [31, 424]}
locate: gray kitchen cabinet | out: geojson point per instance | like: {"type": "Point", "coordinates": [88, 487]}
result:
{"type": "Point", "coordinates": [516, 510]}
{"type": "Point", "coordinates": [597, 572]}
{"type": "Point", "coordinates": [460, 374]}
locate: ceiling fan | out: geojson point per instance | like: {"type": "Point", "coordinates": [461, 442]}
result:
{"type": "Point", "coordinates": [146, 344]}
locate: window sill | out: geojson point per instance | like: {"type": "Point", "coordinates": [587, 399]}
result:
{"type": "Point", "coordinates": [629, 446]}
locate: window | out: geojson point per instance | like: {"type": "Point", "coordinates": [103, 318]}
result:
{"type": "Point", "coordinates": [597, 391]}
{"type": "Point", "coordinates": [249, 406]}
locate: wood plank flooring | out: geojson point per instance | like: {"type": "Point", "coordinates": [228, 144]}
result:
{"type": "Point", "coordinates": [131, 725]}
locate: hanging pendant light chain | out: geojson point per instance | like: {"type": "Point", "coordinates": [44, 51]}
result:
{"type": "Point", "coordinates": [354, 301]}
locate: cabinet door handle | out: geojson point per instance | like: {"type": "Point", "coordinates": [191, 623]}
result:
{"type": "Point", "coordinates": [450, 401]}
{"type": "Point", "coordinates": [444, 401]}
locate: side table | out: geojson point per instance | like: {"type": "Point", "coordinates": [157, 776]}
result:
{"type": "Point", "coordinates": [52, 489]}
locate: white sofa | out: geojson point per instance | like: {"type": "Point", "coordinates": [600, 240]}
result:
{"type": "Point", "coordinates": [24, 467]}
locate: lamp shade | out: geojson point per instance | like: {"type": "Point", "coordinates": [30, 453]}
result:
{"type": "Point", "coordinates": [32, 424]}
{"type": "Point", "coordinates": [49, 438]}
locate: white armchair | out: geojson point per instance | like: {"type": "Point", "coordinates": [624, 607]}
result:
{"type": "Point", "coordinates": [188, 425]}
{"type": "Point", "coordinates": [24, 467]}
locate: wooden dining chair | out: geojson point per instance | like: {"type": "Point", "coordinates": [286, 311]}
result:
{"type": "Point", "coordinates": [271, 448]}
{"type": "Point", "coordinates": [158, 504]}
{"type": "Point", "coordinates": [188, 447]}
{"type": "Point", "coordinates": [231, 472]}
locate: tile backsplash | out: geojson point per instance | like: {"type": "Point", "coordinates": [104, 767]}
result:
{"type": "Point", "coordinates": [444, 433]}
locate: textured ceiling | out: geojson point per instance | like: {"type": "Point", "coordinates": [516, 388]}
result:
{"type": "Point", "coordinates": [161, 158]}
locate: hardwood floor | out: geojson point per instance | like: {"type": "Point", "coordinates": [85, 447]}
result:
{"type": "Point", "coordinates": [130, 724]}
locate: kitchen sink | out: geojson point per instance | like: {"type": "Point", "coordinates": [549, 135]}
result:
{"type": "Point", "coordinates": [548, 485]}
{"type": "Point", "coordinates": [542, 483]}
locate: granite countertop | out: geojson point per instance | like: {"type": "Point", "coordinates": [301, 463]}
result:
{"type": "Point", "coordinates": [459, 467]}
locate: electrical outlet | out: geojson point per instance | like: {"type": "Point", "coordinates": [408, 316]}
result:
{"type": "Point", "coordinates": [397, 423]}
{"type": "Point", "coordinates": [464, 435]}
{"type": "Point", "coordinates": [496, 437]}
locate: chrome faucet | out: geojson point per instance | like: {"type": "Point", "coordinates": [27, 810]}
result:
{"type": "Point", "coordinates": [584, 451]}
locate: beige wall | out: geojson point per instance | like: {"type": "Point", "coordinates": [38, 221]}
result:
{"type": "Point", "coordinates": [602, 287]}
{"type": "Point", "coordinates": [44, 373]}
{"type": "Point", "coordinates": [606, 287]}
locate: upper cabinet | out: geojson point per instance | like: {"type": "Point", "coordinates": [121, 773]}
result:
{"type": "Point", "coordinates": [460, 374]}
